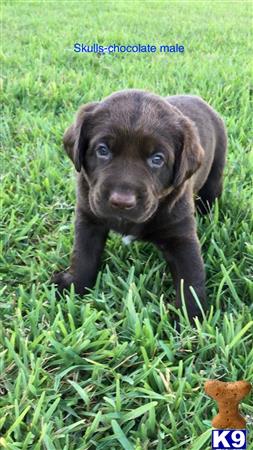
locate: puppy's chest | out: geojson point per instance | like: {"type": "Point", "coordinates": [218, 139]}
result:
{"type": "Point", "coordinates": [132, 232]}
{"type": "Point", "coordinates": [127, 239]}
{"type": "Point", "coordinates": [149, 231]}
{"type": "Point", "coordinates": [128, 230]}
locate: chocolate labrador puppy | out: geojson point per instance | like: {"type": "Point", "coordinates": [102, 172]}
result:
{"type": "Point", "coordinates": [140, 158]}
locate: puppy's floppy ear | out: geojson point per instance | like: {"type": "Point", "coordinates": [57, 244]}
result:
{"type": "Point", "coordinates": [75, 139]}
{"type": "Point", "coordinates": [189, 153]}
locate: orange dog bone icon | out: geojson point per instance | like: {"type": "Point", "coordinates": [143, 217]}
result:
{"type": "Point", "coordinates": [228, 395]}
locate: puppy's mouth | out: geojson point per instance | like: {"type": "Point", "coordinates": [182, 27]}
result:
{"type": "Point", "coordinates": [138, 214]}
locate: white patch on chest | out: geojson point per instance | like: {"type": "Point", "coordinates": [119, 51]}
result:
{"type": "Point", "coordinates": [128, 239]}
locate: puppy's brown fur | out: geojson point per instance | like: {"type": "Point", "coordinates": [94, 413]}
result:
{"type": "Point", "coordinates": [140, 158]}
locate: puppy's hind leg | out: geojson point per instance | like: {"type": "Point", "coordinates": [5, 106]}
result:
{"type": "Point", "coordinates": [213, 186]}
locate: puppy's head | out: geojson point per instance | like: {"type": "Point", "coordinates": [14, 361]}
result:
{"type": "Point", "coordinates": [133, 148]}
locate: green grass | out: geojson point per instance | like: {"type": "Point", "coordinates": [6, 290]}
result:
{"type": "Point", "coordinates": [109, 371]}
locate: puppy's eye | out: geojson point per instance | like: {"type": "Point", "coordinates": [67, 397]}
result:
{"type": "Point", "coordinates": [103, 152]}
{"type": "Point", "coordinates": [156, 160]}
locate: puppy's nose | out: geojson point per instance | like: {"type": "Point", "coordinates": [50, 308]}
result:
{"type": "Point", "coordinates": [122, 200]}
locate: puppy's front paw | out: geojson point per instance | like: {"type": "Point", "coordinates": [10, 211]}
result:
{"type": "Point", "coordinates": [63, 280]}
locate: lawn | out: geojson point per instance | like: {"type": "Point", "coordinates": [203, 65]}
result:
{"type": "Point", "coordinates": [110, 371]}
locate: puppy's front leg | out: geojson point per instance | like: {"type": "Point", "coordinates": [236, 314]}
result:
{"type": "Point", "coordinates": [185, 261]}
{"type": "Point", "coordinates": [90, 238]}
